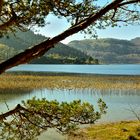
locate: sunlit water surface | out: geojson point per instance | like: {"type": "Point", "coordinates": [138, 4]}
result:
{"type": "Point", "coordinates": [118, 102]}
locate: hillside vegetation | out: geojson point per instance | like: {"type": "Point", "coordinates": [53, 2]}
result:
{"type": "Point", "coordinates": [61, 54]}
{"type": "Point", "coordinates": [7, 52]}
{"type": "Point", "coordinates": [89, 51]}
{"type": "Point", "coordinates": [110, 50]}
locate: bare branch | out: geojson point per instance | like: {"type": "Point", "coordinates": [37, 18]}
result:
{"type": "Point", "coordinates": [114, 13]}
{"type": "Point", "coordinates": [131, 11]}
{"type": "Point", "coordinates": [11, 112]}
{"type": "Point", "coordinates": [119, 20]}
{"type": "Point", "coordinates": [132, 110]}
{"type": "Point", "coordinates": [128, 2]}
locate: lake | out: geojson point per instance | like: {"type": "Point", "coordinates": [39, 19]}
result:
{"type": "Point", "coordinates": [126, 69]}
{"type": "Point", "coordinates": [118, 101]}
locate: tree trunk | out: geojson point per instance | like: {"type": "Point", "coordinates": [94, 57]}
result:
{"type": "Point", "coordinates": [40, 49]}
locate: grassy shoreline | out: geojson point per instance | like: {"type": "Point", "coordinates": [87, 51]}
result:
{"type": "Point", "coordinates": [64, 74]}
{"type": "Point", "coordinates": [123, 130]}
{"type": "Point", "coordinates": [30, 81]}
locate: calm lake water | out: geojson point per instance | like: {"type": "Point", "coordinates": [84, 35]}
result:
{"type": "Point", "coordinates": [126, 69]}
{"type": "Point", "coordinates": [118, 101]}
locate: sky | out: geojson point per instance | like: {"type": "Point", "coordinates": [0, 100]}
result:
{"type": "Point", "coordinates": [57, 26]}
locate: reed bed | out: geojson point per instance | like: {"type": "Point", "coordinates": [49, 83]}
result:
{"type": "Point", "coordinates": [64, 81]}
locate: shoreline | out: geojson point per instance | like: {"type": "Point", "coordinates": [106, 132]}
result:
{"type": "Point", "coordinates": [41, 73]}
{"type": "Point", "coordinates": [107, 131]}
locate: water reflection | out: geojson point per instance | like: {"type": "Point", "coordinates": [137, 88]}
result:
{"type": "Point", "coordinates": [118, 101]}
{"type": "Point", "coordinates": [11, 98]}
{"type": "Point", "coordinates": [10, 94]}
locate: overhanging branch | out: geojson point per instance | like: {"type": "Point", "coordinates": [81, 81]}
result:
{"type": "Point", "coordinates": [40, 49]}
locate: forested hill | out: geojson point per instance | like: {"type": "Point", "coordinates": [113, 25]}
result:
{"type": "Point", "coordinates": [110, 50]}
{"type": "Point", "coordinates": [107, 51]}
{"type": "Point", "coordinates": [61, 54]}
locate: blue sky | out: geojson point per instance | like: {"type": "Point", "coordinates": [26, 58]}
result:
{"type": "Point", "coordinates": [57, 26]}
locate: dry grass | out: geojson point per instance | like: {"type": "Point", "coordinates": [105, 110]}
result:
{"type": "Point", "coordinates": [23, 81]}
{"type": "Point", "coordinates": [112, 131]}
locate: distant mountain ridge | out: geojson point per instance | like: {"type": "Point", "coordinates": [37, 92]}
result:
{"type": "Point", "coordinates": [136, 41]}
{"type": "Point", "coordinates": [109, 50]}
{"type": "Point", "coordinates": [61, 54]}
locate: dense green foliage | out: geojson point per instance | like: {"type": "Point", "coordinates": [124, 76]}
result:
{"type": "Point", "coordinates": [109, 50]}
{"type": "Point", "coordinates": [35, 116]}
